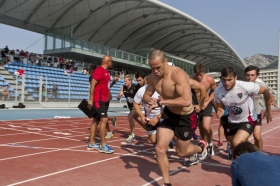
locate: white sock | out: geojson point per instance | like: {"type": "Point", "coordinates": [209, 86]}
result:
{"type": "Point", "coordinates": [133, 135]}
{"type": "Point", "coordinates": [210, 144]}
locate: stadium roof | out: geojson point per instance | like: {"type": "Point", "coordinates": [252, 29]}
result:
{"type": "Point", "coordinates": [128, 25]}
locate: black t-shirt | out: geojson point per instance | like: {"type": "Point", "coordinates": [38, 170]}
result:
{"type": "Point", "coordinates": [3, 53]}
{"type": "Point", "coordinates": [129, 94]}
{"type": "Point", "coordinates": [89, 79]}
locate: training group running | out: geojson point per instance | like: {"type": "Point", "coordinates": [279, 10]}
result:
{"type": "Point", "coordinates": [176, 104]}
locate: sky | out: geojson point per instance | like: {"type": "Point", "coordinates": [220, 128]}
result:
{"type": "Point", "coordinates": [249, 26]}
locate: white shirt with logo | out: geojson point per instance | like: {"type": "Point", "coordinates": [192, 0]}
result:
{"type": "Point", "coordinates": [238, 101]}
{"type": "Point", "coordinates": [138, 99]}
{"type": "Point", "coordinates": [257, 98]}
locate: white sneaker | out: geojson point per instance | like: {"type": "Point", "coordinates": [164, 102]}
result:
{"type": "Point", "coordinates": [109, 135]}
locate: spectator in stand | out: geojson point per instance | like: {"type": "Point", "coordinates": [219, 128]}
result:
{"type": "Point", "coordinates": [21, 54]}
{"type": "Point", "coordinates": [40, 59]}
{"type": "Point", "coordinates": [85, 71]}
{"type": "Point", "coordinates": [71, 70]}
{"type": "Point", "coordinates": [49, 61]}
{"type": "Point", "coordinates": [19, 72]}
{"type": "Point", "coordinates": [251, 167]}
{"type": "Point", "coordinates": [61, 62]}
{"type": "Point", "coordinates": [11, 56]}
{"type": "Point", "coordinates": [17, 54]}
{"type": "Point", "coordinates": [54, 91]}
{"type": "Point", "coordinates": [25, 58]}
{"type": "Point", "coordinates": [3, 57]}
{"type": "Point", "coordinates": [55, 62]}
{"type": "Point", "coordinates": [5, 92]}
{"type": "Point", "coordinates": [65, 72]}
{"type": "Point", "coordinates": [44, 94]}
{"type": "Point", "coordinates": [7, 49]}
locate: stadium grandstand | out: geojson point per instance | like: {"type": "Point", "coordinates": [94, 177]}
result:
{"type": "Point", "coordinates": [84, 31]}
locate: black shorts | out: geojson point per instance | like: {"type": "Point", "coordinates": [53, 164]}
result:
{"type": "Point", "coordinates": [150, 127]}
{"type": "Point", "coordinates": [182, 125]}
{"type": "Point", "coordinates": [207, 112]}
{"type": "Point", "coordinates": [101, 109]}
{"type": "Point", "coordinates": [259, 120]}
{"type": "Point", "coordinates": [224, 123]}
{"type": "Point", "coordinates": [232, 128]}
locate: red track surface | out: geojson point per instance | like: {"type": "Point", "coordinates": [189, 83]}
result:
{"type": "Point", "coordinates": [53, 152]}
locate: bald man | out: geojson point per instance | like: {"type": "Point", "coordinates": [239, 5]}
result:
{"type": "Point", "coordinates": [179, 117]}
{"type": "Point", "coordinates": [99, 99]}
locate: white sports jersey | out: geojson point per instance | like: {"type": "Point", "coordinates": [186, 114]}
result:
{"type": "Point", "coordinates": [138, 99]}
{"type": "Point", "coordinates": [238, 101]}
{"type": "Point", "coordinates": [257, 98]}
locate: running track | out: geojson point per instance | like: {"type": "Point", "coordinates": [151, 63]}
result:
{"type": "Point", "coordinates": [53, 152]}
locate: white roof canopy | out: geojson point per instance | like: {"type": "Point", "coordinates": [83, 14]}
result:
{"type": "Point", "coordinates": [129, 25]}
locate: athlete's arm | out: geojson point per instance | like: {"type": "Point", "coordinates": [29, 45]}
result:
{"type": "Point", "coordinates": [149, 91]}
{"type": "Point", "coordinates": [182, 88]}
{"type": "Point", "coordinates": [155, 120]}
{"type": "Point", "coordinates": [220, 110]}
{"type": "Point", "coordinates": [139, 112]}
{"type": "Point", "coordinates": [198, 86]}
{"type": "Point", "coordinates": [267, 98]}
{"type": "Point", "coordinates": [91, 92]}
{"type": "Point", "coordinates": [120, 93]}
{"type": "Point", "coordinates": [213, 85]}
{"type": "Point", "coordinates": [273, 101]}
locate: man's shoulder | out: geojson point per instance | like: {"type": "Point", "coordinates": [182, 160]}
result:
{"type": "Point", "coordinates": [209, 78]}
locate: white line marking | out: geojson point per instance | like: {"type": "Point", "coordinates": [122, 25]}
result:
{"type": "Point", "coordinates": [159, 178]}
{"type": "Point", "coordinates": [12, 134]}
{"type": "Point", "coordinates": [73, 168]}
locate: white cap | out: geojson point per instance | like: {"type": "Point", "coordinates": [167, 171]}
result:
{"type": "Point", "coordinates": [170, 64]}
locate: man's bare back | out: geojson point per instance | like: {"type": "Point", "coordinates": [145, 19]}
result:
{"type": "Point", "coordinates": [207, 81]}
{"type": "Point", "coordinates": [166, 87]}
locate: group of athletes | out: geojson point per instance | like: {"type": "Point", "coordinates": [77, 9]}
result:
{"type": "Point", "coordinates": [176, 104]}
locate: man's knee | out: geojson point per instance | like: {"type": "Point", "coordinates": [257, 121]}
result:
{"type": "Point", "coordinates": [160, 150]}
{"type": "Point", "coordinates": [257, 136]}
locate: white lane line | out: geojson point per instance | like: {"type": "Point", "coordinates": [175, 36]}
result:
{"type": "Point", "coordinates": [271, 146]}
{"type": "Point", "coordinates": [170, 173]}
{"type": "Point", "coordinates": [73, 168]}
{"type": "Point", "coordinates": [12, 134]}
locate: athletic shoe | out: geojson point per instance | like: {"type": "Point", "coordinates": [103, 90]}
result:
{"type": "Point", "coordinates": [210, 150]}
{"type": "Point", "coordinates": [229, 151]}
{"type": "Point", "coordinates": [229, 154]}
{"type": "Point", "coordinates": [92, 147]}
{"type": "Point", "coordinates": [228, 147]}
{"type": "Point", "coordinates": [167, 184]}
{"type": "Point", "coordinates": [114, 121]}
{"type": "Point", "coordinates": [171, 144]}
{"type": "Point", "coordinates": [195, 136]}
{"type": "Point", "coordinates": [130, 138]}
{"type": "Point", "coordinates": [106, 149]}
{"type": "Point", "coordinates": [219, 144]}
{"type": "Point", "coordinates": [192, 161]}
{"type": "Point", "coordinates": [203, 154]}
{"type": "Point", "coordinates": [109, 135]}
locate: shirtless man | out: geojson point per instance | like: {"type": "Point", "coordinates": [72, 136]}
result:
{"type": "Point", "coordinates": [205, 116]}
{"type": "Point", "coordinates": [178, 117]}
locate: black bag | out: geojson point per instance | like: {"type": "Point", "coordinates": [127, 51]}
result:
{"type": "Point", "coordinates": [2, 106]}
{"type": "Point", "coordinates": [83, 107]}
{"type": "Point", "coordinates": [21, 105]}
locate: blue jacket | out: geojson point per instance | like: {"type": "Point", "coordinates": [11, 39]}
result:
{"type": "Point", "coordinates": [256, 169]}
